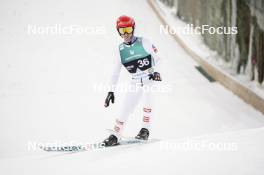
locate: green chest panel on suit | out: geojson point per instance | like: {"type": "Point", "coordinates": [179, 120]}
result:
{"type": "Point", "coordinates": [135, 57]}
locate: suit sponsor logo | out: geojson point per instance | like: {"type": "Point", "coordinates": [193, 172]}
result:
{"type": "Point", "coordinates": [131, 52]}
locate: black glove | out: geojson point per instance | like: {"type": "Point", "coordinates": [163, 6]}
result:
{"type": "Point", "coordinates": [110, 96]}
{"type": "Point", "coordinates": [155, 76]}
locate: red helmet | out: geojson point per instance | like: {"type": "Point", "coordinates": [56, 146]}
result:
{"type": "Point", "coordinates": [125, 21]}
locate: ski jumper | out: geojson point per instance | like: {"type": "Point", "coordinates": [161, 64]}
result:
{"type": "Point", "coordinates": [140, 59]}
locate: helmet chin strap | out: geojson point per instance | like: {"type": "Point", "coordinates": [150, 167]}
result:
{"type": "Point", "coordinates": [132, 40]}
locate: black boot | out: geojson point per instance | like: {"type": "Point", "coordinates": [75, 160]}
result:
{"type": "Point", "coordinates": [111, 141]}
{"type": "Point", "coordinates": [143, 134]}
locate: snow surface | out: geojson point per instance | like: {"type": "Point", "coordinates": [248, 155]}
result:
{"type": "Point", "coordinates": [47, 95]}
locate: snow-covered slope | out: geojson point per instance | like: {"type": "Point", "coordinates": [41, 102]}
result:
{"type": "Point", "coordinates": [47, 94]}
{"type": "Point", "coordinates": [237, 152]}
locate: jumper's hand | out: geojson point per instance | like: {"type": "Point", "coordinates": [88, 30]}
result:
{"type": "Point", "coordinates": [155, 76]}
{"type": "Point", "coordinates": [110, 97]}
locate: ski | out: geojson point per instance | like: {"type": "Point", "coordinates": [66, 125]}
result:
{"type": "Point", "coordinates": [95, 146]}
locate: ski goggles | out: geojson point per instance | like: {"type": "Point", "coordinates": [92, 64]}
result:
{"type": "Point", "coordinates": [124, 30]}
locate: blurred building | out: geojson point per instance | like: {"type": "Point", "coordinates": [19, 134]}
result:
{"type": "Point", "coordinates": [243, 51]}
